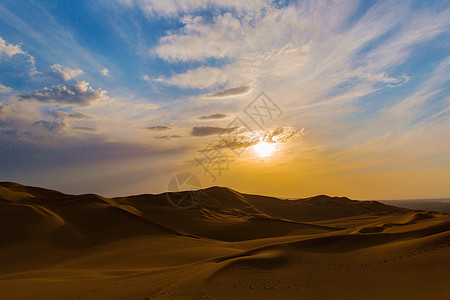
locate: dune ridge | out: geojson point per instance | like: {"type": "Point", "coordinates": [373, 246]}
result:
{"type": "Point", "coordinates": [230, 246]}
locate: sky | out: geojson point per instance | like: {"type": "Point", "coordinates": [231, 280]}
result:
{"type": "Point", "coordinates": [116, 97]}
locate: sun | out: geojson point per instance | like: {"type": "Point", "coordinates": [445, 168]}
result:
{"type": "Point", "coordinates": [264, 149]}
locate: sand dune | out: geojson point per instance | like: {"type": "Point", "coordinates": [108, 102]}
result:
{"type": "Point", "coordinates": [230, 246]}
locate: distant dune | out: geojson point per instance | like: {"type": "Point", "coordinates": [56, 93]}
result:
{"type": "Point", "coordinates": [228, 246]}
{"type": "Point", "coordinates": [438, 205]}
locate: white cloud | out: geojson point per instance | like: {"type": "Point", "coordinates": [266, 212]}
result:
{"type": "Point", "coordinates": [64, 73]}
{"type": "Point", "coordinates": [146, 77]}
{"type": "Point", "coordinates": [77, 94]}
{"type": "Point", "coordinates": [4, 89]}
{"type": "Point", "coordinates": [10, 50]}
{"type": "Point", "coordinates": [105, 72]}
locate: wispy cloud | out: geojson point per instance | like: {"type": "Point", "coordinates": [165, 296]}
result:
{"type": "Point", "coordinates": [172, 8]}
{"type": "Point", "coordinates": [201, 78]}
{"type": "Point", "coordinates": [146, 106]}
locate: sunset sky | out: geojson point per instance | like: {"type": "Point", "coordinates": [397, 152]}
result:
{"type": "Point", "coordinates": [117, 97]}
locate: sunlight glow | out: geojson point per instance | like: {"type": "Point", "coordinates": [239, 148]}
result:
{"type": "Point", "coordinates": [264, 149]}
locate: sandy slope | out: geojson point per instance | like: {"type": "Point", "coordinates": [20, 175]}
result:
{"type": "Point", "coordinates": [232, 246]}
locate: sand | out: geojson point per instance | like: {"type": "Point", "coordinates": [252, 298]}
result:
{"type": "Point", "coordinates": [230, 246]}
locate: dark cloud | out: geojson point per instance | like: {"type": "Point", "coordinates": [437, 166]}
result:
{"type": "Point", "coordinates": [15, 123]}
{"type": "Point", "coordinates": [281, 135]}
{"type": "Point", "coordinates": [53, 126]}
{"type": "Point", "coordinates": [239, 141]}
{"type": "Point", "coordinates": [159, 127]}
{"type": "Point", "coordinates": [78, 94]}
{"type": "Point", "coordinates": [86, 129]}
{"type": "Point", "coordinates": [236, 142]}
{"type": "Point", "coordinates": [231, 92]}
{"type": "Point", "coordinates": [168, 136]}
{"type": "Point", "coordinates": [71, 115]}
{"type": "Point", "coordinates": [214, 117]}
{"type": "Point", "coordinates": [209, 130]}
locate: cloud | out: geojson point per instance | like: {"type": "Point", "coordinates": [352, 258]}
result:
{"type": "Point", "coordinates": [231, 92]}
{"type": "Point", "coordinates": [160, 127]}
{"type": "Point", "coordinates": [76, 94]}
{"type": "Point", "coordinates": [105, 72]}
{"type": "Point", "coordinates": [253, 51]}
{"type": "Point", "coordinates": [200, 78]}
{"type": "Point", "coordinates": [214, 117]}
{"type": "Point", "coordinates": [313, 49]}
{"type": "Point", "coordinates": [280, 135]}
{"type": "Point", "coordinates": [146, 77]}
{"type": "Point", "coordinates": [71, 115]}
{"type": "Point", "coordinates": [210, 130]}
{"type": "Point", "coordinates": [4, 89]}
{"type": "Point", "coordinates": [86, 129]}
{"type": "Point", "coordinates": [59, 126]}
{"type": "Point", "coordinates": [172, 8]}
{"type": "Point", "coordinates": [29, 122]}
{"type": "Point", "coordinates": [228, 36]}
{"type": "Point", "coordinates": [63, 73]}
{"type": "Point", "coordinates": [6, 110]}
{"type": "Point", "coordinates": [247, 139]}
{"type": "Point", "coordinates": [168, 137]}
{"type": "Point", "coordinates": [9, 49]}
{"type": "Point", "coordinates": [413, 107]}
{"type": "Point", "coordinates": [150, 106]}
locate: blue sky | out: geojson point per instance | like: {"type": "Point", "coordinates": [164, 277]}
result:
{"type": "Point", "coordinates": [108, 96]}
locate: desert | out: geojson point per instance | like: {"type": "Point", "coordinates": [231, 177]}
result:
{"type": "Point", "coordinates": [230, 246]}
